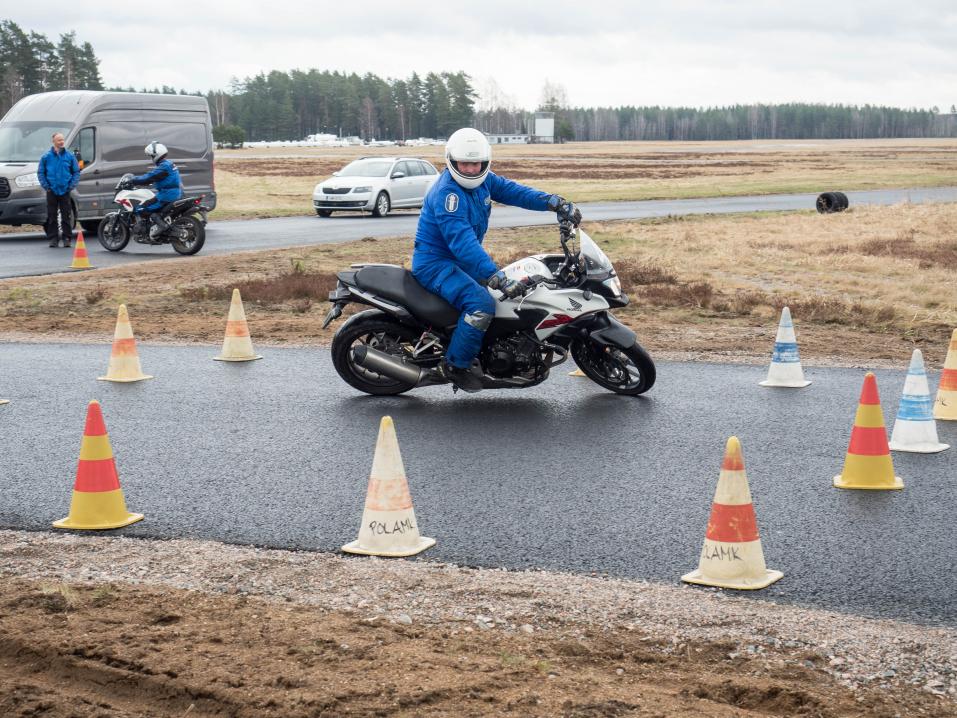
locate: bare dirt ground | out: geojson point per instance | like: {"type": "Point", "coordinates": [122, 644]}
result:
{"type": "Point", "coordinates": [112, 627]}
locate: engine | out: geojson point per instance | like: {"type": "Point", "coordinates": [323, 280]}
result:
{"type": "Point", "coordinates": [516, 355]}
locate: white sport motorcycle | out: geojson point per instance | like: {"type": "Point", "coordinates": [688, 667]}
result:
{"type": "Point", "coordinates": [399, 343]}
{"type": "Point", "coordinates": [184, 226]}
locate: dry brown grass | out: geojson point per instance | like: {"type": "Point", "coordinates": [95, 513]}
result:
{"type": "Point", "coordinates": [279, 181]}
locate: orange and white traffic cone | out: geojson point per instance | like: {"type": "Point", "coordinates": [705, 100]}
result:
{"type": "Point", "coordinates": [80, 258]}
{"type": "Point", "coordinates": [732, 556]}
{"type": "Point", "coordinates": [577, 373]}
{"type": "Point", "coordinates": [4, 401]}
{"type": "Point", "coordinates": [124, 360]}
{"type": "Point", "coordinates": [945, 406]}
{"type": "Point", "coordinates": [237, 345]}
{"type": "Point", "coordinates": [388, 521]}
{"type": "Point", "coordinates": [98, 501]}
{"type": "Point", "coordinates": [868, 464]}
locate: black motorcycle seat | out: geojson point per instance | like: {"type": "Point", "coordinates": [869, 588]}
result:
{"type": "Point", "coordinates": [398, 285]}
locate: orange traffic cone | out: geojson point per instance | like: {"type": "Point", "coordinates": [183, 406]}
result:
{"type": "Point", "coordinates": [388, 521]}
{"type": "Point", "coordinates": [237, 345]}
{"type": "Point", "coordinates": [124, 361]}
{"type": "Point", "coordinates": [577, 373]}
{"type": "Point", "coordinates": [945, 406]}
{"type": "Point", "coordinates": [98, 501]}
{"type": "Point", "coordinates": [868, 464]}
{"type": "Point", "coordinates": [80, 258]}
{"type": "Point", "coordinates": [732, 556]}
{"type": "Point", "coordinates": [4, 401]}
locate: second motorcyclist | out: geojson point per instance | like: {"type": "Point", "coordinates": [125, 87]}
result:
{"type": "Point", "coordinates": [169, 187]}
{"type": "Point", "coordinates": [448, 258]}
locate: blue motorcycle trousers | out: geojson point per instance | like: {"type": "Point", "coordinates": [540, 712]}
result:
{"type": "Point", "coordinates": [465, 294]}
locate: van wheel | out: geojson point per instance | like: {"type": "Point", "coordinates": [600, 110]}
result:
{"type": "Point", "coordinates": [90, 226]}
{"type": "Point", "coordinates": [195, 235]}
{"type": "Point", "coordinates": [382, 205]}
{"type": "Point", "coordinates": [324, 212]}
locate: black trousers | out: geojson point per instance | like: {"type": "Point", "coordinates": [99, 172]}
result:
{"type": "Point", "coordinates": [59, 202]}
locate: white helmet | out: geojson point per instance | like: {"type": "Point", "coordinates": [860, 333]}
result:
{"type": "Point", "coordinates": [156, 151]}
{"type": "Point", "coordinates": [468, 145]}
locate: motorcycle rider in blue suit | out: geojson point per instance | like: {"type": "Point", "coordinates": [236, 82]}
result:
{"type": "Point", "coordinates": [448, 258]}
{"type": "Point", "coordinates": [168, 187]}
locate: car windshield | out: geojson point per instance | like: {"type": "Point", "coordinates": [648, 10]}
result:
{"type": "Point", "coordinates": [596, 261]}
{"type": "Point", "coordinates": [27, 141]}
{"type": "Point", "coordinates": [366, 168]}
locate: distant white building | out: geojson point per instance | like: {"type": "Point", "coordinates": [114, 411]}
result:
{"type": "Point", "coordinates": [507, 139]}
{"type": "Point", "coordinates": [544, 128]}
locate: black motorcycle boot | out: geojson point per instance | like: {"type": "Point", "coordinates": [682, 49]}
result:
{"type": "Point", "coordinates": [54, 242]}
{"type": "Point", "coordinates": [462, 379]}
{"type": "Point", "coordinates": [158, 225]}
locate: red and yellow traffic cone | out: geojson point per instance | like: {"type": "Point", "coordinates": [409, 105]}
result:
{"type": "Point", "coordinates": [732, 556]}
{"type": "Point", "coordinates": [388, 521]}
{"type": "Point", "coordinates": [237, 344]}
{"type": "Point", "coordinates": [98, 501]}
{"type": "Point", "coordinates": [945, 406]}
{"type": "Point", "coordinates": [868, 464]}
{"type": "Point", "coordinates": [80, 258]}
{"type": "Point", "coordinates": [124, 360]}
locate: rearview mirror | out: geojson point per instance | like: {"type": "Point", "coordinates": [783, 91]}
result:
{"type": "Point", "coordinates": [335, 174]}
{"type": "Point", "coordinates": [398, 175]}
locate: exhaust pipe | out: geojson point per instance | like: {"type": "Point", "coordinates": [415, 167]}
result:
{"type": "Point", "coordinates": [388, 365]}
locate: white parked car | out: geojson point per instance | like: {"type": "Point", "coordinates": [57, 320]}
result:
{"type": "Point", "coordinates": [375, 184]}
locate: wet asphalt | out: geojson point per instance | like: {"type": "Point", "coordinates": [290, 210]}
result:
{"type": "Point", "coordinates": [563, 476]}
{"type": "Point", "coordinates": [24, 254]}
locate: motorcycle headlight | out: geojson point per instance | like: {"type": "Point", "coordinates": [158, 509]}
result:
{"type": "Point", "coordinates": [614, 284]}
{"type": "Point", "coordinates": [30, 180]}
{"type": "Point", "coordinates": [360, 190]}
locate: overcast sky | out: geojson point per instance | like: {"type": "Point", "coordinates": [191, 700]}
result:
{"type": "Point", "coordinates": [605, 52]}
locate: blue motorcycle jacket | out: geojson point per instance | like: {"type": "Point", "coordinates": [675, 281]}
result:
{"type": "Point", "coordinates": [166, 178]}
{"type": "Point", "coordinates": [454, 220]}
{"type": "Point", "coordinates": [58, 172]}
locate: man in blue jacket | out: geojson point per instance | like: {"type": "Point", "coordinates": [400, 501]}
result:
{"type": "Point", "coordinates": [58, 173]}
{"type": "Point", "coordinates": [448, 258]}
{"type": "Point", "coordinates": [165, 176]}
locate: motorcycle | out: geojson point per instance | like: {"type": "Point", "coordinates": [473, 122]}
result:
{"type": "Point", "coordinates": [399, 343]}
{"type": "Point", "coordinates": [182, 228]}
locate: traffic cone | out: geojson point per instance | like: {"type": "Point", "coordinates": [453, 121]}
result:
{"type": "Point", "coordinates": [80, 258]}
{"type": "Point", "coordinates": [732, 556]}
{"type": "Point", "coordinates": [124, 361]}
{"type": "Point", "coordinates": [945, 407]}
{"type": "Point", "coordinates": [4, 401]}
{"type": "Point", "coordinates": [98, 501]}
{"type": "Point", "coordinates": [388, 521]}
{"type": "Point", "coordinates": [785, 369]}
{"type": "Point", "coordinates": [868, 464]}
{"type": "Point", "coordinates": [578, 373]}
{"type": "Point", "coordinates": [915, 429]}
{"type": "Point", "coordinates": [237, 346]}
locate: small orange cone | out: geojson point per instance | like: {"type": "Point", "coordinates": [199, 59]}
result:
{"type": "Point", "coordinates": [237, 345]}
{"type": "Point", "coordinates": [732, 556]}
{"type": "Point", "coordinates": [868, 464]}
{"type": "Point", "coordinates": [577, 373]}
{"type": "Point", "coordinates": [124, 360]}
{"type": "Point", "coordinates": [388, 521]}
{"type": "Point", "coordinates": [98, 501]}
{"type": "Point", "coordinates": [945, 406]}
{"type": "Point", "coordinates": [80, 258]}
{"type": "Point", "coordinates": [4, 401]}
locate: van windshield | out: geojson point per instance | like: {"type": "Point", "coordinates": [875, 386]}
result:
{"type": "Point", "coordinates": [27, 141]}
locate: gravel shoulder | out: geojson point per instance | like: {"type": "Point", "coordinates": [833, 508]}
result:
{"type": "Point", "coordinates": [110, 626]}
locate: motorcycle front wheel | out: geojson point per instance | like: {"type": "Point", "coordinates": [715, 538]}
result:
{"type": "Point", "coordinates": [113, 233]}
{"type": "Point", "coordinates": [195, 235]}
{"type": "Point", "coordinates": [624, 371]}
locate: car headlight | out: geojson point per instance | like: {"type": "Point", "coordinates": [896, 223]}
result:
{"type": "Point", "coordinates": [360, 190]}
{"type": "Point", "coordinates": [614, 284]}
{"type": "Point", "coordinates": [30, 180]}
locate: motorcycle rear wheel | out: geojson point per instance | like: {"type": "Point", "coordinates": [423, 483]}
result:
{"type": "Point", "coordinates": [195, 235]}
{"type": "Point", "coordinates": [117, 238]}
{"type": "Point", "coordinates": [628, 371]}
{"type": "Point", "coordinates": [381, 333]}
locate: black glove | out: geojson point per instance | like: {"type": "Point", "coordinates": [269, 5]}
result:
{"type": "Point", "coordinates": [509, 287]}
{"type": "Point", "coordinates": [565, 209]}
